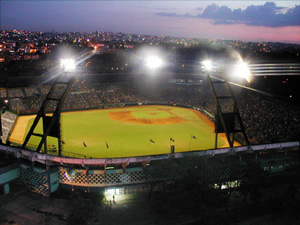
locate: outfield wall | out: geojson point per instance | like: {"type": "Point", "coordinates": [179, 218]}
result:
{"type": "Point", "coordinates": [56, 160]}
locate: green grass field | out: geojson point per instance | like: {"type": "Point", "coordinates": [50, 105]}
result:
{"type": "Point", "coordinates": [105, 137]}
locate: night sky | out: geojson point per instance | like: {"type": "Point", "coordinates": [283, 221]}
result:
{"type": "Point", "coordinates": [235, 20]}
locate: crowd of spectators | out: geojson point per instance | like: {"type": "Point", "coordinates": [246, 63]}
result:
{"type": "Point", "coordinates": [7, 121]}
{"type": "Point", "coordinates": [266, 119]}
{"type": "Point", "coordinates": [3, 93]}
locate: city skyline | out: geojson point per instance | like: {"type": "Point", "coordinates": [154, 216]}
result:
{"type": "Point", "coordinates": [277, 21]}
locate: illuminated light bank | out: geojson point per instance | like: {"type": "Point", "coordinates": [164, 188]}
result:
{"type": "Point", "coordinates": [241, 70]}
{"type": "Point", "coordinates": [207, 65]}
{"type": "Point", "coordinates": [67, 65]}
{"type": "Point", "coordinates": [153, 62]}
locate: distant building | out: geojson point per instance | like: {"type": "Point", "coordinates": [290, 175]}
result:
{"type": "Point", "coordinates": [129, 46]}
{"type": "Point", "coordinates": [31, 57]}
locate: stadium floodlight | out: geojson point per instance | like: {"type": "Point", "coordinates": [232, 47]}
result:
{"type": "Point", "coordinates": [207, 64]}
{"type": "Point", "coordinates": [153, 62]}
{"type": "Point", "coordinates": [242, 70]}
{"type": "Point", "coordinates": [67, 65]}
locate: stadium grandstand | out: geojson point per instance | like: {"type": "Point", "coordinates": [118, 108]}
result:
{"type": "Point", "coordinates": [278, 118]}
{"type": "Point", "coordinates": [270, 123]}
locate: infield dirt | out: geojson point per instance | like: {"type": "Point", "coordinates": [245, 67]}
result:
{"type": "Point", "coordinates": [126, 116]}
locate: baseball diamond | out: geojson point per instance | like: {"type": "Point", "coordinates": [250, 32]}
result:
{"type": "Point", "coordinates": [127, 132]}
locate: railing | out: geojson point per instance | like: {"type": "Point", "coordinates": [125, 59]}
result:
{"type": "Point", "coordinates": [46, 158]}
{"type": "Point", "coordinates": [72, 155]}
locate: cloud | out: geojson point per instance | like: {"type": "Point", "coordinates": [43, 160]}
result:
{"type": "Point", "coordinates": [269, 15]}
{"type": "Point", "coordinates": [174, 15]}
{"type": "Point", "coordinates": [143, 7]}
{"type": "Point", "coordinates": [161, 9]}
{"type": "Point", "coordinates": [168, 14]}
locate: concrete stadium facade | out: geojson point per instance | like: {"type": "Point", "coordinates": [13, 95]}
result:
{"type": "Point", "coordinates": [43, 173]}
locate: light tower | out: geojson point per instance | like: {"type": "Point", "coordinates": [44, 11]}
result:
{"type": "Point", "coordinates": [227, 119]}
{"type": "Point", "coordinates": [51, 109]}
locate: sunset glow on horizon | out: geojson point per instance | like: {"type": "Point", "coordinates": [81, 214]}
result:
{"type": "Point", "coordinates": [246, 21]}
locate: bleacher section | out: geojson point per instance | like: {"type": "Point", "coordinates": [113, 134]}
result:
{"type": "Point", "coordinates": [266, 120]}
{"type": "Point", "coordinates": [8, 120]}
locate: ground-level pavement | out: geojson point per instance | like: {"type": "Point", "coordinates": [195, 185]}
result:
{"type": "Point", "coordinates": [23, 207]}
